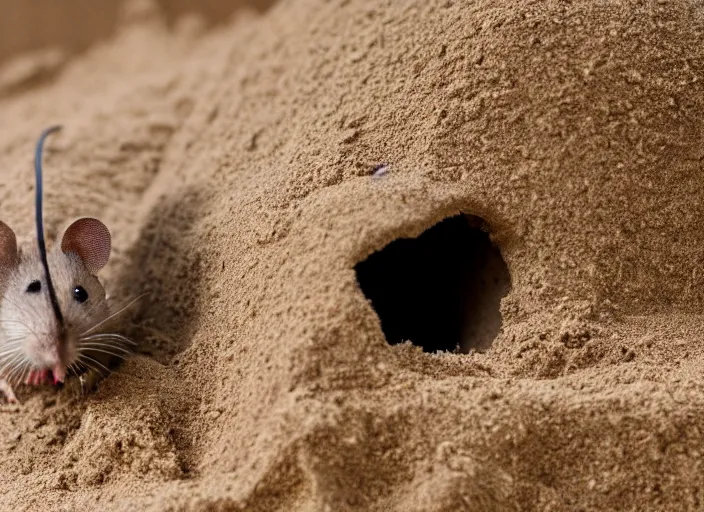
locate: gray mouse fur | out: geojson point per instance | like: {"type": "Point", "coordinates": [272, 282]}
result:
{"type": "Point", "coordinates": [34, 349]}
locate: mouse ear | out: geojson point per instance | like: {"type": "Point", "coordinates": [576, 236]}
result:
{"type": "Point", "coordinates": [90, 240]}
{"type": "Point", "coordinates": [8, 247]}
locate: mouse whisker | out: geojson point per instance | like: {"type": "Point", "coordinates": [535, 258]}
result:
{"type": "Point", "coordinates": [107, 336]}
{"type": "Point", "coordinates": [22, 309]}
{"type": "Point", "coordinates": [15, 332]}
{"type": "Point", "coordinates": [75, 368]}
{"type": "Point", "coordinates": [12, 340]}
{"type": "Point", "coordinates": [10, 353]}
{"type": "Point", "coordinates": [19, 368]}
{"type": "Point", "coordinates": [98, 348]}
{"type": "Point", "coordinates": [11, 329]}
{"type": "Point", "coordinates": [102, 351]}
{"type": "Point", "coordinates": [15, 343]}
{"type": "Point", "coordinates": [104, 345]}
{"type": "Point", "coordinates": [11, 360]}
{"type": "Point", "coordinates": [7, 353]}
{"type": "Point", "coordinates": [20, 337]}
{"type": "Point", "coordinates": [14, 376]}
{"type": "Point", "coordinates": [114, 314]}
{"type": "Point", "coordinates": [87, 347]}
{"type": "Point", "coordinates": [113, 341]}
{"type": "Point", "coordinates": [113, 337]}
{"type": "Point", "coordinates": [25, 374]}
{"type": "Point", "coordinates": [12, 346]}
{"type": "Point", "coordinates": [7, 320]}
{"type": "Point", "coordinates": [12, 322]}
{"type": "Point", "coordinates": [83, 355]}
{"type": "Point", "coordinates": [24, 368]}
{"type": "Point", "coordinates": [89, 367]}
{"type": "Point", "coordinates": [10, 364]}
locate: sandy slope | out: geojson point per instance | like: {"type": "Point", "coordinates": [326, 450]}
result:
{"type": "Point", "coordinates": [233, 166]}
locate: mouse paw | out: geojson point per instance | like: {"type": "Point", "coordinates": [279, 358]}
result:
{"type": "Point", "coordinates": [7, 391]}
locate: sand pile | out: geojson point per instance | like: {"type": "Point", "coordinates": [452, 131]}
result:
{"type": "Point", "coordinates": [233, 163]}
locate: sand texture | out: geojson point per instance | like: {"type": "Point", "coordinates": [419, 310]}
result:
{"type": "Point", "coordinates": [231, 155]}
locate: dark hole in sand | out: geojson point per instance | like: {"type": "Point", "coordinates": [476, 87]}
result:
{"type": "Point", "coordinates": [442, 290]}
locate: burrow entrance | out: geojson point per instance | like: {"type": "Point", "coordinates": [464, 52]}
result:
{"type": "Point", "coordinates": [442, 290]}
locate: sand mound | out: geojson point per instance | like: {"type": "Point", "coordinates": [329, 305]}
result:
{"type": "Point", "coordinates": [234, 162]}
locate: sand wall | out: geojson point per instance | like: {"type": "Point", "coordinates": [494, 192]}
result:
{"type": "Point", "coordinates": [233, 163]}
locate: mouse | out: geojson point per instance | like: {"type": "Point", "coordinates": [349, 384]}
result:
{"type": "Point", "coordinates": [53, 308]}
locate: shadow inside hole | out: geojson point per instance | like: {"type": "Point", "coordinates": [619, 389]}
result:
{"type": "Point", "coordinates": [442, 291]}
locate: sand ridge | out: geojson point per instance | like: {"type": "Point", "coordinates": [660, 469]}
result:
{"type": "Point", "coordinates": [232, 164]}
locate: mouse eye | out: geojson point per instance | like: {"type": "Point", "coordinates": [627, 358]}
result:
{"type": "Point", "coordinates": [34, 287]}
{"type": "Point", "coordinates": [80, 294]}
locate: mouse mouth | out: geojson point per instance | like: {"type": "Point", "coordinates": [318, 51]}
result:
{"type": "Point", "coordinates": [54, 376]}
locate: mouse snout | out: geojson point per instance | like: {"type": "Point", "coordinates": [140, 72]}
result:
{"type": "Point", "coordinates": [43, 350]}
{"type": "Point", "coordinates": [51, 351]}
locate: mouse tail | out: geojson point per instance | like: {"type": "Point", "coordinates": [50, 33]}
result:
{"type": "Point", "coordinates": [40, 222]}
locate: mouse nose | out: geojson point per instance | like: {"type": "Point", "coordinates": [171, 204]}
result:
{"type": "Point", "coordinates": [59, 372]}
{"type": "Point", "coordinates": [56, 364]}
{"type": "Point", "coordinates": [52, 355]}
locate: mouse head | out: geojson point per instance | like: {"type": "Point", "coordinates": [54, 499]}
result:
{"type": "Point", "coordinates": [32, 338]}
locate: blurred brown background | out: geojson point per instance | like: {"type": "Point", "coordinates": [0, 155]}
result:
{"type": "Point", "coordinates": [74, 25]}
